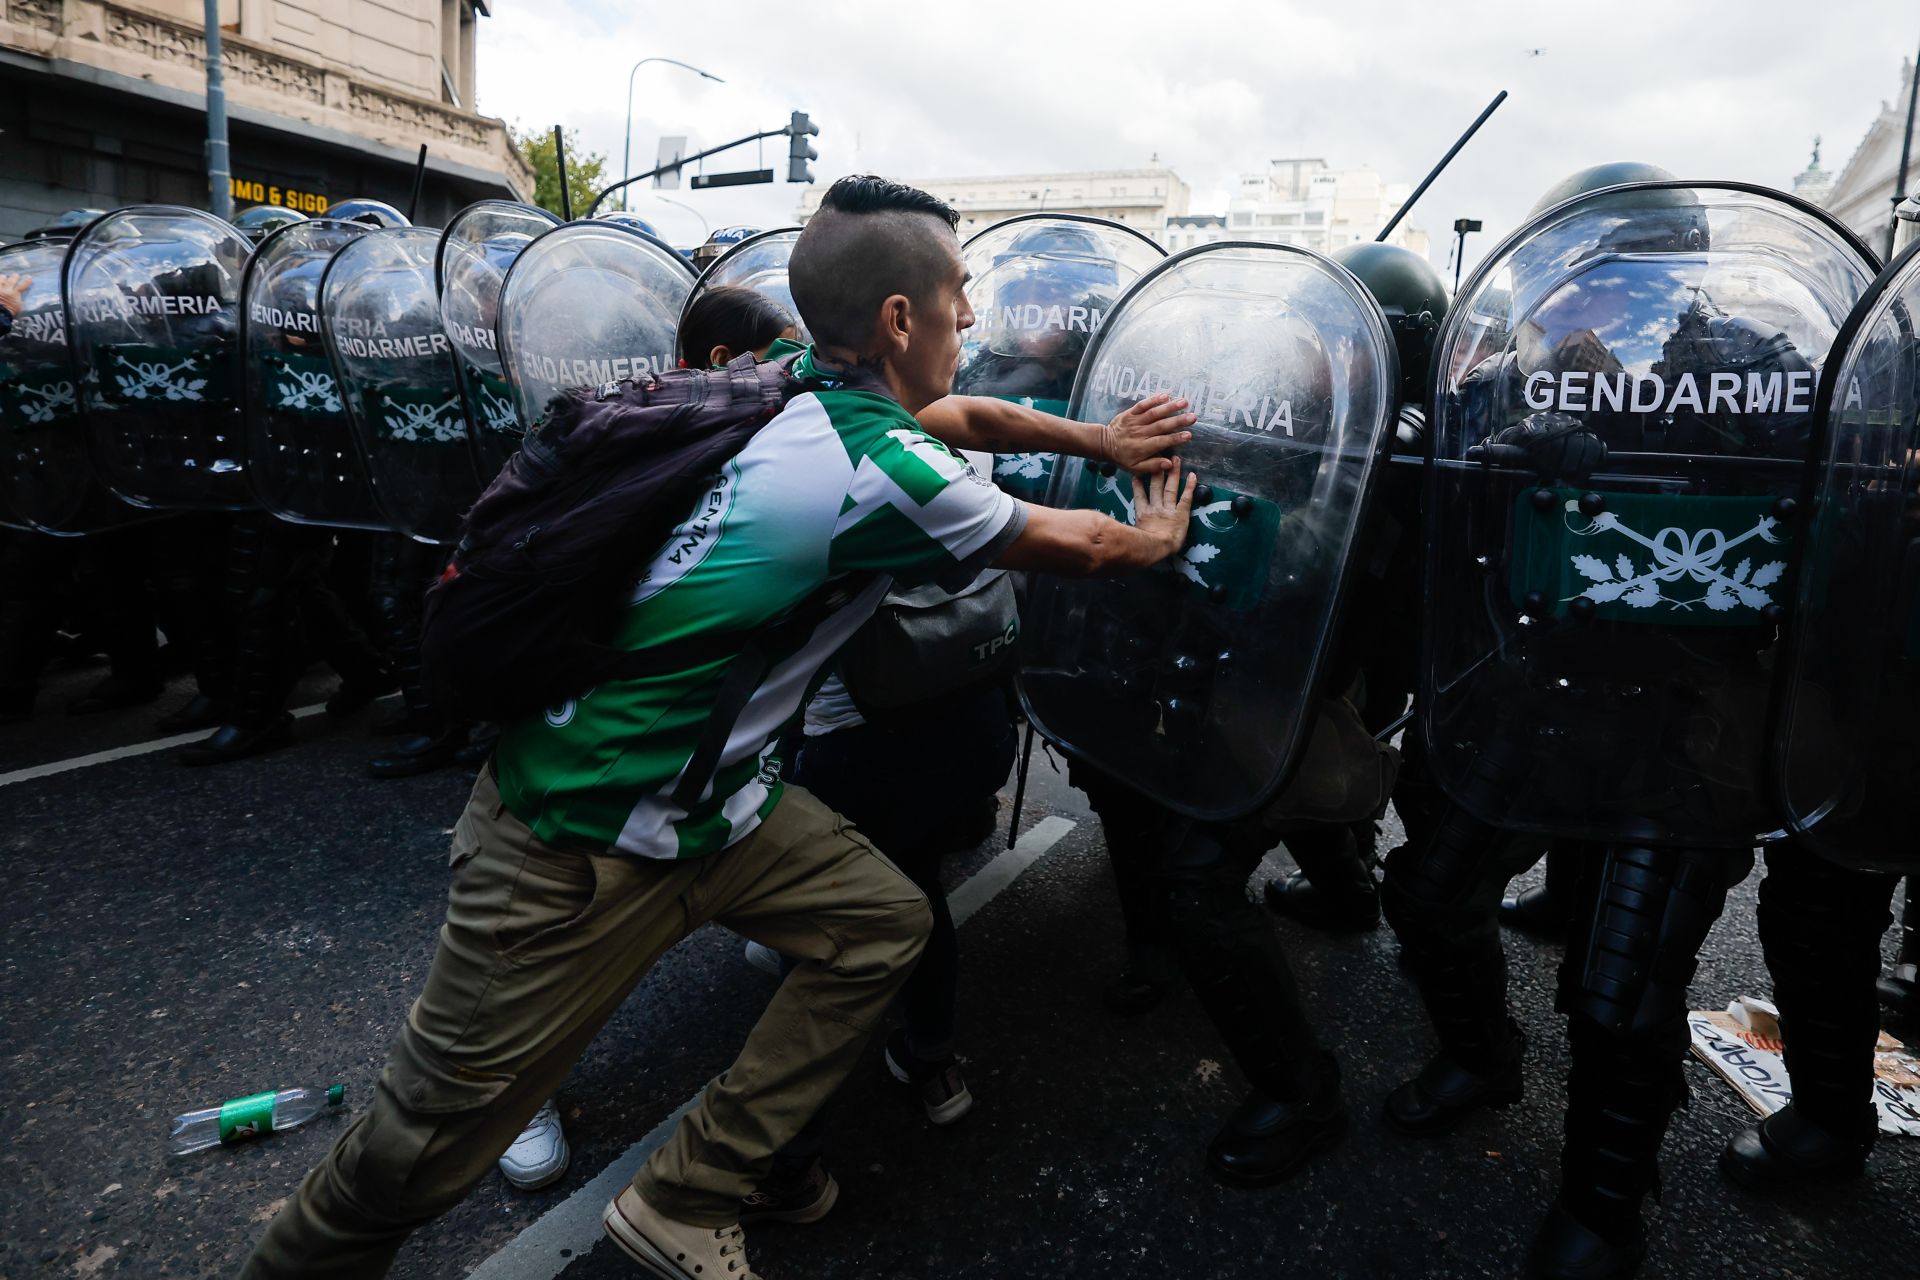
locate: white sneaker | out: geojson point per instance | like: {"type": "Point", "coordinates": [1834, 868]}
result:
{"type": "Point", "coordinates": [538, 1157]}
{"type": "Point", "coordinates": [764, 958]}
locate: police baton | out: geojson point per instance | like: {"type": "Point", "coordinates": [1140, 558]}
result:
{"type": "Point", "coordinates": [1445, 160]}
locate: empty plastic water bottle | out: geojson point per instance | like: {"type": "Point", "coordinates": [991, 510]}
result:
{"type": "Point", "coordinates": [244, 1118]}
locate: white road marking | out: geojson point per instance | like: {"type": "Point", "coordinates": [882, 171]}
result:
{"type": "Point", "coordinates": [571, 1229]}
{"type": "Point", "coordinates": [125, 753]}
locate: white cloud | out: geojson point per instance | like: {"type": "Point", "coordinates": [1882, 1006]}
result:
{"type": "Point", "coordinates": [1213, 87]}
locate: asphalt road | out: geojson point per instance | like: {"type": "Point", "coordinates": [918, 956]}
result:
{"type": "Point", "coordinates": [176, 937]}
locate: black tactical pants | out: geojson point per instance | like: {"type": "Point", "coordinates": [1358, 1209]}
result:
{"type": "Point", "coordinates": [1820, 927]}
{"type": "Point", "coordinates": [1183, 885]}
{"type": "Point", "coordinates": [1441, 894]}
{"type": "Point", "coordinates": [1640, 918]}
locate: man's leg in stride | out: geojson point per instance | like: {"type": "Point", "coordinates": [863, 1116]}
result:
{"type": "Point", "coordinates": [539, 949]}
{"type": "Point", "coordinates": [811, 887]}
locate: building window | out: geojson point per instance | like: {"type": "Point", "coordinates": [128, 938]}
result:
{"type": "Point", "coordinates": [1242, 220]}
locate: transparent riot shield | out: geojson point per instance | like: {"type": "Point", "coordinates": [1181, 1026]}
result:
{"type": "Point", "coordinates": [300, 450]}
{"type": "Point", "coordinates": [1042, 286]}
{"type": "Point", "coordinates": [478, 246]}
{"type": "Point", "coordinates": [1196, 682]}
{"type": "Point", "coordinates": [1847, 741]}
{"type": "Point", "coordinates": [1624, 394]}
{"type": "Point", "coordinates": [588, 303]}
{"type": "Point", "coordinates": [758, 263]}
{"type": "Point", "coordinates": [380, 315]}
{"type": "Point", "coordinates": [46, 480]}
{"type": "Point", "coordinates": [153, 300]}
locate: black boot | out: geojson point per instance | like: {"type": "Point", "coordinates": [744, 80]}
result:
{"type": "Point", "coordinates": [1299, 898]}
{"type": "Point", "coordinates": [1622, 1089]}
{"type": "Point", "coordinates": [1481, 1048]}
{"type": "Point", "coordinates": [1334, 889]}
{"type": "Point", "coordinates": [1268, 1140]}
{"type": "Point", "coordinates": [1820, 928]}
{"type": "Point", "coordinates": [421, 753]}
{"type": "Point", "coordinates": [1233, 960]}
{"type": "Point", "coordinates": [236, 742]}
{"type": "Point", "coordinates": [202, 712]}
{"type": "Point", "coordinates": [1900, 989]}
{"type": "Point", "coordinates": [1787, 1151]}
{"type": "Point", "coordinates": [1568, 1249]}
{"type": "Point", "coordinates": [1542, 909]}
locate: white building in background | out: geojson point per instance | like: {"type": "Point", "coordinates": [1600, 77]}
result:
{"type": "Point", "coordinates": [1302, 201]}
{"type": "Point", "coordinates": [1862, 196]}
{"type": "Point", "coordinates": [1140, 198]}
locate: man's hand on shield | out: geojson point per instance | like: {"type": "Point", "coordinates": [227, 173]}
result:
{"type": "Point", "coordinates": [1140, 437]}
{"type": "Point", "coordinates": [1163, 507]}
{"type": "Point", "coordinates": [1555, 445]}
{"type": "Point", "coordinates": [13, 292]}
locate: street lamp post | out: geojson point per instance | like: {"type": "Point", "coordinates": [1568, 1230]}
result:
{"type": "Point", "coordinates": [626, 149]}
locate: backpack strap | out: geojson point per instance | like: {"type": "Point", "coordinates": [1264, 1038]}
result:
{"type": "Point", "coordinates": [743, 678]}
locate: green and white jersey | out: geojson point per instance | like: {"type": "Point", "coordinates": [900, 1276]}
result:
{"type": "Point", "coordinates": [841, 482]}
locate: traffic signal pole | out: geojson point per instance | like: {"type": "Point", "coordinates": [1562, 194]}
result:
{"type": "Point", "coordinates": [793, 157]}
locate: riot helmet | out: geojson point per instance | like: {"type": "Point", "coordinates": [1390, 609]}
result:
{"type": "Point", "coordinates": [64, 227]}
{"type": "Point", "coordinates": [759, 263]}
{"type": "Point", "coordinates": [621, 217]}
{"type": "Point", "coordinates": [263, 219]}
{"type": "Point", "coordinates": [719, 242]}
{"type": "Point", "coordinates": [375, 213]}
{"type": "Point", "coordinates": [1415, 299]}
{"type": "Point", "coordinates": [1666, 219]}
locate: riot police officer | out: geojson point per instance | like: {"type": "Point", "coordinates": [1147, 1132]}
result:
{"type": "Point", "coordinates": [1211, 711]}
{"type": "Point", "coordinates": [1334, 887]}
{"type": "Point", "coordinates": [1587, 680]}
{"type": "Point", "coordinates": [1846, 755]}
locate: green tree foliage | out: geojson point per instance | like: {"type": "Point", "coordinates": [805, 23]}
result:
{"type": "Point", "coordinates": [586, 170]}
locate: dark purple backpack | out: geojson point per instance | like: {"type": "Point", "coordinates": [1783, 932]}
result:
{"type": "Point", "coordinates": [521, 618]}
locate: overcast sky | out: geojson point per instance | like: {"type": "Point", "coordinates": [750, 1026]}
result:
{"type": "Point", "coordinates": [1214, 88]}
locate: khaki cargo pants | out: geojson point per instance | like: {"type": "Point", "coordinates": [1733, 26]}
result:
{"type": "Point", "coordinates": [540, 947]}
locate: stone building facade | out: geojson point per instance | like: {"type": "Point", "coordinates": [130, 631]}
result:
{"type": "Point", "coordinates": [103, 102]}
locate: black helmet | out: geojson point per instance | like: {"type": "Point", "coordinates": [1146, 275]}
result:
{"type": "Point", "coordinates": [375, 213]}
{"type": "Point", "coordinates": [720, 241]}
{"type": "Point", "coordinates": [263, 220]}
{"type": "Point", "coordinates": [1053, 240]}
{"type": "Point", "coordinates": [66, 226]}
{"type": "Point", "coordinates": [1617, 173]}
{"type": "Point", "coordinates": [1665, 221]}
{"type": "Point", "coordinates": [627, 219]}
{"type": "Point", "coordinates": [1414, 297]}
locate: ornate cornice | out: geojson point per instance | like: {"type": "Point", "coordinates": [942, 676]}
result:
{"type": "Point", "coordinates": [41, 15]}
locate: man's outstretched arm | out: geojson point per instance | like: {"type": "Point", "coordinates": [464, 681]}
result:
{"type": "Point", "coordinates": [1138, 439]}
{"type": "Point", "coordinates": [1087, 544]}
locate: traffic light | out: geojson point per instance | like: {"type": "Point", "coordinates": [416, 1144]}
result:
{"type": "Point", "coordinates": [799, 150]}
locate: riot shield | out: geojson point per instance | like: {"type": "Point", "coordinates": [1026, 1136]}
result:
{"type": "Point", "coordinates": [1042, 286]}
{"type": "Point", "coordinates": [300, 450]}
{"type": "Point", "coordinates": [478, 246]}
{"type": "Point", "coordinates": [153, 299]}
{"type": "Point", "coordinates": [588, 303]}
{"type": "Point", "coordinates": [1847, 739]}
{"type": "Point", "coordinates": [759, 263]}
{"type": "Point", "coordinates": [1624, 395]}
{"type": "Point", "coordinates": [381, 319]}
{"type": "Point", "coordinates": [46, 480]}
{"type": "Point", "coordinates": [1196, 682]}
